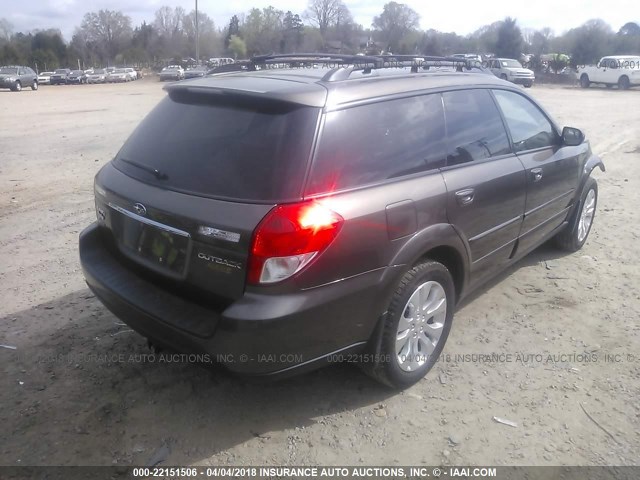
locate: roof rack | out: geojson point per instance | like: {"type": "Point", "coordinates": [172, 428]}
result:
{"type": "Point", "coordinates": [344, 65]}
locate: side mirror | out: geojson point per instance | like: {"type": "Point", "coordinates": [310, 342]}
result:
{"type": "Point", "coordinates": [572, 136]}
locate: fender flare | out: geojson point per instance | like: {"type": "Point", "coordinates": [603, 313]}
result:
{"type": "Point", "coordinates": [592, 162]}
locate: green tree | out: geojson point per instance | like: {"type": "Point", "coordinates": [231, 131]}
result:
{"type": "Point", "coordinates": [394, 23]}
{"type": "Point", "coordinates": [590, 42]}
{"type": "Point", "coordinates": [293, 32]}
{"type": "Point", "coordinates": [509, 42]}
{"type": "Point", "coordinates": [232, 29]}
{"type": "Point", "coordinates": [630, 28]}
{"type": "Point", "coordinates": [627, 41]}
{"type": "Point", "coordinates": [237, 47]}
{"type": "Point", "coordinates": [262, 30]}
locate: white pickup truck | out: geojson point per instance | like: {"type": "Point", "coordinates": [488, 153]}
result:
{"type": "Point", "coordinates": [621, 70]}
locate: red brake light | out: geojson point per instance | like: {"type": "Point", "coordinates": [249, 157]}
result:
{"type": "Point", "coordinates": [288, 238]}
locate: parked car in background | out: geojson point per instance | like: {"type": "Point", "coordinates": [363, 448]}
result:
{"type": "Point", "coordinates": [60, 76]}
{"type": "Point", "coordinates": [18, 77]}
{"type": "Point", "coordinates": [511, 70]}
{"type": "Point", "coordinates": [172, 72]}
{"type": "Point", "coordinates": [119, 75]}
{"type": "Point", "coordinates": [194, 72]}
{"type": "Point", "coordinates": [99, 75]}
{"type": "Point", "coordinates": [333, 217]}
{"type": "Point", "coordinates": [219, 61]}
{"type": "Point", "coordinates": [77, 77]}
{"type": "Point", "coordinates": [620, 70]}
{"type": "Point", "coordinates": [131, 73]}
{"type": "Point", "coordinates": [44, 78]}
{"type": "Point", "coordinates": [469, 56]}
{"type": "Point", "coordinates": [242, 65]}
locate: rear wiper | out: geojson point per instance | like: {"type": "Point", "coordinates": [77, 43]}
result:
{"type": "Point", "coordinates": [157, 173]}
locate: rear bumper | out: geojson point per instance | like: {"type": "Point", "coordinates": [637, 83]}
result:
{"type": "Point", "coordinates": [258, 334]}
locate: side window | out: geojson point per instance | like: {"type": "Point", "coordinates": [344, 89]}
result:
{"type": "Point", "coordinates": [528, 126]}
{"type": "Point", "coordinates": [375, 142]}
{"type": "Point", "coordinates": [474, 128]}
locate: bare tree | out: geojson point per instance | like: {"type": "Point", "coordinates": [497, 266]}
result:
{"type": "Point", "coordinates": [210, 39]}
{"type": "Point", "coordinates": [169, 22]}
{"type": "Point", "coordinates": [326, 13]}
{"type": "Point", "coordinates": [395, 21]}
{"type": "Point", "coordinates": [6, 29]}
{"type": "Point", "coordinates": [108, 30]}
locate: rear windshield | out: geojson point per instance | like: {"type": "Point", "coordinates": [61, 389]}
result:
{"type": "Point", "coordinates": [221, 147]}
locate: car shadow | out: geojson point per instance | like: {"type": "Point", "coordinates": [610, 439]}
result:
{"type": "Point", "coordinates": [81, 388]}
{"type": "Point", "coordinates": [545, 252]}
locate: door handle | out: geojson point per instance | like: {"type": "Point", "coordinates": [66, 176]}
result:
{"type": "Point", "coordinates": [536, 174]}
{"type": "Point", "coordinates": [465, 197]}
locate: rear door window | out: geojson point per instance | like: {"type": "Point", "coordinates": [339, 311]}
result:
{"type": "Point", "coordinates": [372, 143]}
{"type": "Point", "coordinates": [474, 127]}
{"type": "Point", "coordinates": [223, 147]}
{"type": "Point", "coordinates": [529, 127]}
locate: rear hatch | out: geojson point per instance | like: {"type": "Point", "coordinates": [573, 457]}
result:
{"type": "Point", "coordinates": [186, 191]}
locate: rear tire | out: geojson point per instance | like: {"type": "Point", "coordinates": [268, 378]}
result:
{"type": "Point", "coordinates": [17, 87]}
{"type": "Point", "coordinates": [34, 85]}
{"type": "Point", "coordinates": [584, 81]}
{"type": "Point", "coordinates": [574, 236]}
{"type": "Point", "coordinates": [415, 326]}
{"type": "Point", "coordinates": [624, 83]}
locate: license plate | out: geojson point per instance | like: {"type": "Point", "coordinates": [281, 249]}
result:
{"type": "Point", "coordinates": [160, 247]}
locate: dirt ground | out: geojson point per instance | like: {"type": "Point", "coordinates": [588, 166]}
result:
{"type": "Point", "coordinates": [566, 326]}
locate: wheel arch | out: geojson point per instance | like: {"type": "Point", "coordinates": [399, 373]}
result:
{"type": "Point", "coordinates": [440, 242]}
{"type": "Point", "coordinates": [592, 162]}
{"type": "Point", "coordinates": [450, 258]}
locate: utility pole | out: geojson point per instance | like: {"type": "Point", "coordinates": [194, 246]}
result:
{"type": "Point", "coordinates": [197, 38]}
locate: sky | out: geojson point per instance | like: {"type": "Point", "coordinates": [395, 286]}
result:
{"type": "Point", "coordinates": [445, 16]}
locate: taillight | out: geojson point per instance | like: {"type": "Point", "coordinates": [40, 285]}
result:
{"type": "Point", "coordinates": [288, 238]}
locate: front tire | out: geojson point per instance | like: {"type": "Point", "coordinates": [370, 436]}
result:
{"type": "Point", "coordinates": [34, 85]}
{"type": "Point", "coordinates": [415, 327]}
{"type": "Point", "coordinates": [574, 236]}
{"type": "Point", "coordinates": [584, 81]}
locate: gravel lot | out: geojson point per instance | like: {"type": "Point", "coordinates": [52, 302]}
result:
{"type": "Point", "coordinates": [71, 395]}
